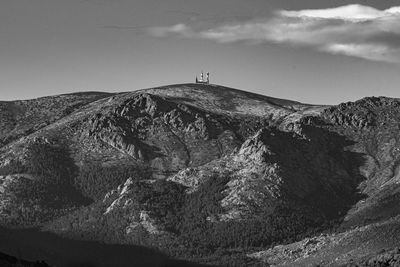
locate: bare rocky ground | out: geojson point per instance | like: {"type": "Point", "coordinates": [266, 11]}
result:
{"type": "Point", "coordinates": [255, 159]}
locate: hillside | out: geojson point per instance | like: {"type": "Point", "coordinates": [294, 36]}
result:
{"type": "Point", "coordinates": [21, 118]}
{"type": "Point", "coordinates": [205, 173]}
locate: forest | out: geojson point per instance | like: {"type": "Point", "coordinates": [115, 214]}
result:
{"type": "Point", "coordinates": [191, 218]}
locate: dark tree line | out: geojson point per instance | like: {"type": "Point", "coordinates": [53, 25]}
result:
{"type": "Point", "coordinates": [52, 172]}
{"type": "Point", "coordinates": [48, 191]}
{"type": "Point", "coordinates": [94, 180]}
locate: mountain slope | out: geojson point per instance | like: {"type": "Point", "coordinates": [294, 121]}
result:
{"type": "Point", "coordinates": [159, 127]}
{"type": "Point", "coordinates": [197, 170]}
{"type": "Point", "coordinates": [370, 226]}
{"type": "Point", "coordinates": [21, 118]}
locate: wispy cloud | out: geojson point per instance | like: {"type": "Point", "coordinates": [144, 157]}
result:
{"type": "Point", "coordinates": [179, 29]}
{"type": "Point", "coordinates": [351, 30]}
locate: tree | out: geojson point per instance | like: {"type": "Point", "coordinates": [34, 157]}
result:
{"type": "Point", "coordinates": [51, 163]}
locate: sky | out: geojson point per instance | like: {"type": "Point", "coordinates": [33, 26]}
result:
{"type": "Point", "coordinates": [312, 51]}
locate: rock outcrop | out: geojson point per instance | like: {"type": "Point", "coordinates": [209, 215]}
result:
{"type": "Point", "coordinates": [123, 202]}
{"type": "Point", "coordinates": [165, 135]}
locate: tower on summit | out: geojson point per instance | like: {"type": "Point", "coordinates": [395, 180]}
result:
{"type": "Point", "coordinates": [202, 80]}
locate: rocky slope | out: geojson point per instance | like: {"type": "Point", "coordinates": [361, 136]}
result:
{"type": "Point", "coordinates": [208, 162]}
{"type": "Point", "coordinates": [371, 245]}
{"type": "Point", "coordinates": [369, 229]}
{"type": "Point", "coordinates": [166, 128]}
{"type": "Point", "coordinates": [21, 118]}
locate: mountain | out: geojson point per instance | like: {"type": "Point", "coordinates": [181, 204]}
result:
{"type": "Point", "coordinates": [207, 173]}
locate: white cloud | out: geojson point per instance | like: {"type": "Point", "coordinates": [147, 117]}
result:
{"type": "Point", "coordinates": [179, 29]}
{"type": "Point", "coordinates": [350, 12]}
{"type": "Point", "coordinates": [352, 30]}
{"type": "Point", "coordinates": [374, 52]}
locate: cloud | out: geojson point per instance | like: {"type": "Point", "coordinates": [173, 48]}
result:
{"type": "Point", "coordinates": [375, 52]}
{"type": "Point", "coordinates": [178, 29]}
{"type": "Point", "coordinates": [350, 12]}
{"type": "Point", "coordinates": [352, 30]}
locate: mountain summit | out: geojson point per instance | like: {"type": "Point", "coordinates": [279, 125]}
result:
{"type": "Point", "coordinates": [206, 173]}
